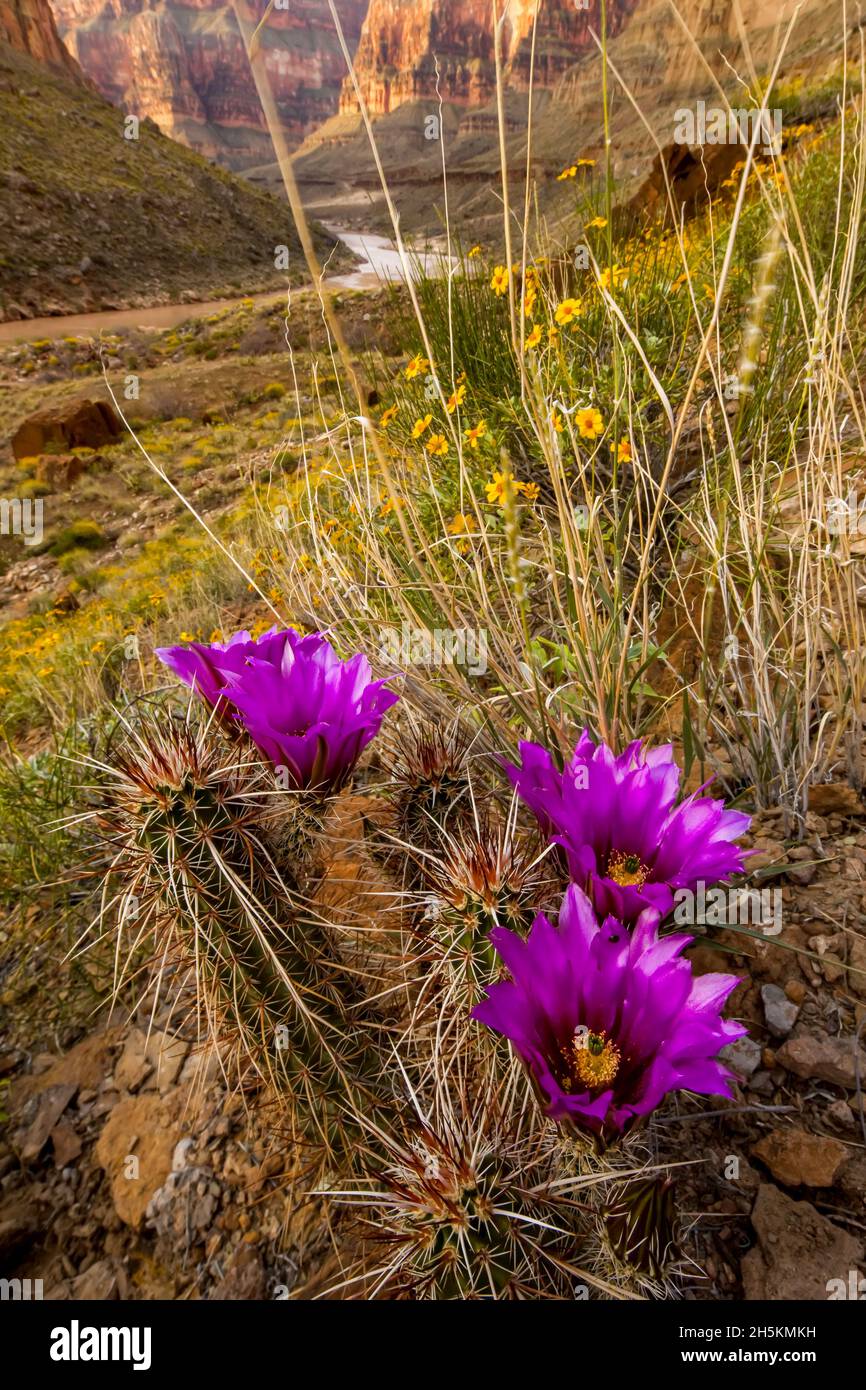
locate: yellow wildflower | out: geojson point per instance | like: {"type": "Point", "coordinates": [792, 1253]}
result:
{"type": "Point", "coordinates": [499, 486]}
{"type": "Point", "coordinates": [529, 490]}
{"type": "Point", "coordinates": [534, 338]}
{"type": "Point", "coordinates": [611, 275]}
{"type": "Point", "coordinates": [417, 365]}
{"type": "Point", "coordinates": [589, 422]}
{"type": "Point", "coordinates": [455, 399]}
{"type": "Point", "coordinates": [473, 435]}
{"type": "Point", "coordinates": [568, 173]}
{"type": "Point", "coordinates": [499, 280]}
{"type": "Point", "coordinates": [420, 426]}
{"type": "Point", "coordinates": [597, 222]}
{"type": "Point", "coordinates": [461, 524]}
{"type": "Point", "coordinates": [387, 416]}
{"type": "Point", "coordinates": [623, 451]}
{"type": "Point", "coordinates": [568, 310]}
{"type": "Point", "coordinates": [437, 444]}
{"type": "Point", "coordinates": [474, 251]}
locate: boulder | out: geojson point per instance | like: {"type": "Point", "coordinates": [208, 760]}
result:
{"type": "Point", "coordinates": [799, 1252]}
{"type": "Point", "coordinates": [75, 424]}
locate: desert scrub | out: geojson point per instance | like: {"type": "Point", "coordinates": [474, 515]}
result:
{"type": "Point", "coordinates": [82, 535]}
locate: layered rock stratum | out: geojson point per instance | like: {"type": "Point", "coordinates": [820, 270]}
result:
{"type": "Point", "coordinates": [184, 66]}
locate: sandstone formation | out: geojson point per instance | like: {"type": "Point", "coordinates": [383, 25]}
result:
{"type": "Point", "coordinates": [411, 49]}
{"type": "Point", "coordinates": [28, 25]}
{"type": "Point", "coordinates": [184, 66]}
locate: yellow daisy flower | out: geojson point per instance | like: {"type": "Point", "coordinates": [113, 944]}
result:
{"type": "Point", "coordinates": [420, 426]}
{"type": "Point", "coordinates": [461, 524]}
{"type": "Point", "coordinates": [417, 365]}
{"type": "Point", "coordinates": [568, 311]}
{"type": "Point", "coordinates": [473, 435]}
{"type": "Point", "coordinates": [455, 399]}
{"type": "Point", "coordinates": [589, 422]}
{"type": "Point", "coordinates": [623, 451]}
{"type": "Point", "coordinates": [437, 444]}
{"type": "Point", "coordinates": [499, 280]}
{"type": "Point", "coordinates": [497, 489]}
{"type": "Point", "coordinates": [387, 416]}
{"type": "Point", "coordinates": [534, 338]}
{"type": "Point", "coordinates": [611, 275]}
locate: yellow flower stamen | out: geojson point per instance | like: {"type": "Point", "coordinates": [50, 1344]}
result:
{"type": "Point", "coordinates": [628, 870]}
{"type": "Point", "coordinates": [592, 1061]}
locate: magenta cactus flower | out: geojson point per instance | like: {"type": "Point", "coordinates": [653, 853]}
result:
{"type": "Point", "coordinates": [626, 840]}
{"type": "Point", "coordinates": [608, 1022]}
{"type": "Point", "coordinates": [305, 709]}
{"type": "Point", "coordinates": [205, 665]}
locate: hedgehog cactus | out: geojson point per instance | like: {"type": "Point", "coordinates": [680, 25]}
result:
{"type": "Point", "coordinates": [186, 819]}
{"type": "Point", "coordinates": [467, 1208]}
{"type": "Point", "coordinates": [638, 1234]}
{"type": "Point", "coordinates": [486, 878]}
{"type": "Point", "coordinates": [430, 787]}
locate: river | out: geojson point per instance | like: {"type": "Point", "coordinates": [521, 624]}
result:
{"type": "Point", "coordinates": [380, 260]}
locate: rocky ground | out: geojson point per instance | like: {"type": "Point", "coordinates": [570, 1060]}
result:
{"type": "Point", "coordinates": [129, 1169]}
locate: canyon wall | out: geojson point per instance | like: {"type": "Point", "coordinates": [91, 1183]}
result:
{"type": "Point", "coordinates": [412, 49]}
{"type": "Point", "coordinates": [28, 26]}
{"type": "Point", "coordinates": [183, 64]}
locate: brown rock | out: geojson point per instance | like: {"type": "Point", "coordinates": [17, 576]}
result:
{"type": "Point", "coordinates": [795, 1157]}
{"type": "Point", "coordinates": [823, 1059]}
{"type": "Point", "coordinates": [852, 1179]}
{"type": "Point", "coordinates": [244, 1278]}
{"type": "Point", "coordinates": [857, 965]}
{"type": "Point", "coordinates": [85, 1065]}
{"type": "Point", "coordinates": [42, 1114]}
{"type": "Point", "coordinates": [831, 949]}
{"type": "Point", "coordinates": [96, 1284]}
{"type": "Point", "coordinates": [66, 1144]}
{"type": "Point", "coordinates": [134, 1066]}
{"type": "Point", "coordinates": [166, 1055]}
{"type": "Point", "coordinates": [144, 1129]}
{"type": "Point", "coordinates": [826, 797]}
{"type": "Point", "coordinates": [19, 1227]}
{"type": "Point", "coordinates": [62, 470]}
{"type": "Point", "coordinates": [798, 1250]}
{"type": "Point", "coordinates": [75, 424]}
{"type": "Point", "coordinates": [796, 991]}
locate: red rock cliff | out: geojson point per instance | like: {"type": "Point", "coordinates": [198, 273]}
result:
{"type": "Point", "coordinates": [403, 41]}
{"type": "Point", "coordinates": [183, 65]}
{"type": "Point", "coordinates": [28, 25]}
